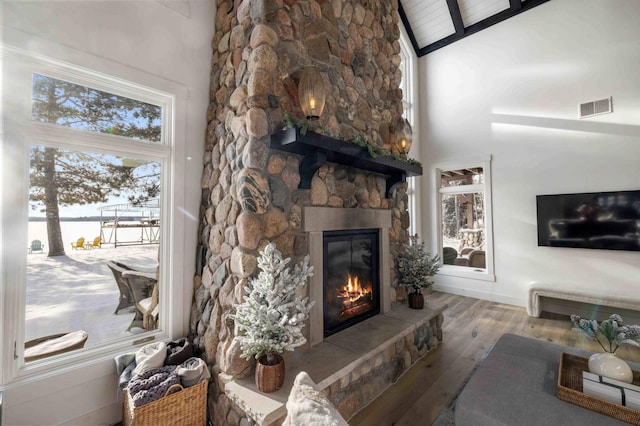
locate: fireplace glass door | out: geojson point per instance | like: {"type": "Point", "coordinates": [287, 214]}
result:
{"type": "Point", "coordinates": [351, 278]}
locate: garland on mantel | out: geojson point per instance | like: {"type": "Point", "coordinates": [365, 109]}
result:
{"type": "Point", "coordinates": [374, 150]}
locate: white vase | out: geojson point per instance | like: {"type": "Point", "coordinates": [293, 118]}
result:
{"type": "Point", "coordinates": [608, 365]}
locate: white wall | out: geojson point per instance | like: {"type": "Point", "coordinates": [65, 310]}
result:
{"type": "Point", "coordinates": [172, 41]}
{"type": "Point", "coordinates": [511, 91]}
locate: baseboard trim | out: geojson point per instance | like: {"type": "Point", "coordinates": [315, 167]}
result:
{"type": "Point", "coordinates": [108, 415]}
{"type": "Point", "coordinates": [499, 298]}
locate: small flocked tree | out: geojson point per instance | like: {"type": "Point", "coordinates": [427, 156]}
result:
{"type": "Point", "coordinates": [416, 266]}
{"type": "Point", "coordinates": [271, 318]}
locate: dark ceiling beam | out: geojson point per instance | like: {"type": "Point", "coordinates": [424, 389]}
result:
{"type": "Point", "coordinates": [407, 26]}
{"type": "Point", "coordinates": [515, 5]}
{"type": "Point", "coordinates": [485, 23]}
{"type": "Point", "coordinates": [456, 16]}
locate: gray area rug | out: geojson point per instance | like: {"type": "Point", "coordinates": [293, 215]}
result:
{"type": "Point", "coordinates": [447, 417]}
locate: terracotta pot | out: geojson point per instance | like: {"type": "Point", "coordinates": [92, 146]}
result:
{"type": "Point", "coordinates": [608, 365]}
{"type": "Point", "coordinates": [269, 373]}
{"type": "Point", "coordinates": [416, 300]}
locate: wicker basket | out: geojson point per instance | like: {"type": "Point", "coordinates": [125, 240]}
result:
{"type": "Point", "coordinates": [269, 378]}
{"type": "Point", "coordinates": [187, 407]}
{"type": "Point", "coordinates": [570, 390]}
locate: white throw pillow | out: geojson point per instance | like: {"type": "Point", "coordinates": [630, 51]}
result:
{"type": "Point", "coordinates": [309, 406]}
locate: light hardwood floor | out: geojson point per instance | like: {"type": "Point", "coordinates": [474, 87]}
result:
{"type": "Point", "coordinates": [470, 327]}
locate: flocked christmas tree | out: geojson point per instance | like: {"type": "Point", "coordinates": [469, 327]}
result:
{"type": "Point", "coordinates": [271, 318]}
{"type": "Point", "coordinates": [416, 266]}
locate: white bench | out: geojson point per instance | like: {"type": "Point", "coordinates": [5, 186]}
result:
{"type": "Point", "coordinates": [620, 296]}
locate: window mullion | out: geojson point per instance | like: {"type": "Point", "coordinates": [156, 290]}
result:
{"type": "Point", "coordinates": [56, 136]}
{"type": "Point", "coordinates": [462, 189]}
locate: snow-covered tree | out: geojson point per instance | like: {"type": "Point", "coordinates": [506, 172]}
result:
{"type": "Point", "coordinates": [416, 266]}
{"type": "Point", "coordinates": [271, 318]}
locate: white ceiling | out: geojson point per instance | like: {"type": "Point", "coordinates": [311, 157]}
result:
{"type": "Point", "coordinates": [436, 23]}
{"type": "Point", "coordinates": [430, 20]}
{"type": "Point", "coordinates": [474, 11]}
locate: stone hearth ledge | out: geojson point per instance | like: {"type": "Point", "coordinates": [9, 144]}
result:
{"type": "Point", "coordinates": [346, 358]}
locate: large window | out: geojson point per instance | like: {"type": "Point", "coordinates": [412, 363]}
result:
{"type": "Point", "coordinates": [91, 229]}
{"type": "Point", "coordinates": [464, 201]}
{"type": "Point", "coordinates": [93, 217]}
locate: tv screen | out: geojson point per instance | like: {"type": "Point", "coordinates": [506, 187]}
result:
{"type": "Point", "coordinates": [595, 220]}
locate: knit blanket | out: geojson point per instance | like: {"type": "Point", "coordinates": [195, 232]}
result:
{"type": "Point", "coordinates": [152, 385]}
{"type": "Point", "coordinates": [192, 372]}
{"type": "Point", "coordinates": [178, 351]}
{"type": "Point", "coordinates": [150, 356]}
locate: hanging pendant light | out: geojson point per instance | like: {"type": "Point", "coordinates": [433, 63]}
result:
{"type": "Point", "coordinates": [311, 92]}
{"type": "Point", "coordinates": [404, 136]}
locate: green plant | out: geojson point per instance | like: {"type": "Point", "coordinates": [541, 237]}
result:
{"type": "Point", "coordinates": [271, 318]}
{"type": "Point", "coordinates": [303, 125]}
{"type": "Point", "coordinates": [611, 330]}
{"type": "Point", "coordinates": [416, 266]}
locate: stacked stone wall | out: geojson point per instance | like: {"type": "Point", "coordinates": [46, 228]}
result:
{"type": "Point", "coordinates": [471, 238]}
{"type": "Point", "coordinates": [250, 194]}
{"type": "Point", "coordinates": [357, 389]}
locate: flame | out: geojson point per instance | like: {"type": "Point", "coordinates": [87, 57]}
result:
{"type": "Point", "coordinates": [353, 285]}
{"type": "Point", "coordinates": [353, 291]}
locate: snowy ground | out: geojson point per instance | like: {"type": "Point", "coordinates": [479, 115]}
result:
{"type": "Point", "coordinates": [78, 292]}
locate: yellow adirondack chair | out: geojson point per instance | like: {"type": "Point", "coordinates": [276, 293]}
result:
{"type": "Point", "coordinates": [78, 244]}
{"type": "Point", "coordinates": [97, 241]}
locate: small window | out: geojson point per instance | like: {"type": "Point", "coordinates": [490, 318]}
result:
{"type": "Point", "coordinates": [465, 221]}
{"type": "Point", "coordinates": [80, 107]}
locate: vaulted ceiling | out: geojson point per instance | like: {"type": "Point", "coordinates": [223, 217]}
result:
{"type": "Point", "coordinates": [432, 24]}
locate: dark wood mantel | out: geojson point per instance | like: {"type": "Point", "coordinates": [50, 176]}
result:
{"type": "Point", "coordinates": [317, 150]}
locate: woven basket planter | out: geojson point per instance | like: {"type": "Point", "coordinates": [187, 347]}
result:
{"type": "Point", "coordinates": [416, 300]}
{"type": "Point", "coordinates": [269, 378]}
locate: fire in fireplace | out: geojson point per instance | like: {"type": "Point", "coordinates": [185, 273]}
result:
{"type": "Point", "coordinates": [351, 278]}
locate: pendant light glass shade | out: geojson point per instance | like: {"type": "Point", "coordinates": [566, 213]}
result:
{"type": "Point", "coordinates": [404, 136]}
{"type": "Point", "coordinates": [311, 92]}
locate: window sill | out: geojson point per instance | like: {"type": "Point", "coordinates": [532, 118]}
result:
{"type": "Point", "coordinates": [78, 360]}
{"type": "Point", "coordinates": [466, 272]}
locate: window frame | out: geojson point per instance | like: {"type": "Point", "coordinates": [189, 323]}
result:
{"type": "Point", "coordinates": [488, 274]}
{"type": "Point", "coordinates": [19, 132]}
{"type": "Point", "coordinates": [408, 66]}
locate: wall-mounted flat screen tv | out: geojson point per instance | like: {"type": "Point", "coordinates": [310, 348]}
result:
{"type": "Point", "coordinates": [595, 220]}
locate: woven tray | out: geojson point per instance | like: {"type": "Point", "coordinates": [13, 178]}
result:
{"type": "Point", "coordinates": [187, 407]}
{"type": "Point", "coordinates": [570, 390]}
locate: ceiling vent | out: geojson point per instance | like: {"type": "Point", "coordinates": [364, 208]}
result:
{"type": "Point", "coordinates": [601, 106]}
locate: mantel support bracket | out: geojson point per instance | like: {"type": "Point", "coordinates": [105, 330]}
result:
{"type": "Point", "coordinates": [308, 167]}
{"type": "Point", "coordinates": [392, 181]}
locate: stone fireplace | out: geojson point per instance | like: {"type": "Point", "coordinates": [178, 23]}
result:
{"type": "Point", "coordinates": [317, 221]}
{"type": "Point", "coordinates": [255, 192]}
